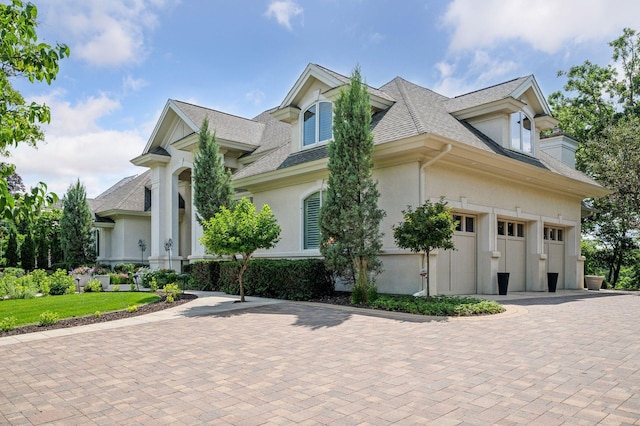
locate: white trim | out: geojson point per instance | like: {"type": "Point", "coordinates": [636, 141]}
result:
{"type": "Point", "coordinates": [317, 142]}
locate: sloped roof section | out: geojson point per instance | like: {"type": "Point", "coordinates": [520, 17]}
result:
{"type": "Point", "coordinates": [126, 195]}
{"type": "Point", "coordinates": [275, 134]}
{"type": "Point", "coordinates": [269, 162]}
{"type": "Point", "coordinates": [484, 96]}
{"type": "Point", "coordinates": [226, 126]}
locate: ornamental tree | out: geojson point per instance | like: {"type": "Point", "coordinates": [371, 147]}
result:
{"type": "Point", "coordinates": [241, 230]}
{"type": "Point", "coordinates": [28, 253]}
{"type": "Point", "coordinates": [211, 180]}
{"type": "Point", "coordinates": [429, 227]}
{"type": "Point", "coordinates": [75, 227]}
{"type": "Point", "coordinates": [350, 217]}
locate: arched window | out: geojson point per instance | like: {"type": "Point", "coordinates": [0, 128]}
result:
{"type": "Point", "coordinates": [311, 219]}
{"type": "Point", "coordinates": [317, 123]}
{"type": "Point", "coordinates": [521, 132]}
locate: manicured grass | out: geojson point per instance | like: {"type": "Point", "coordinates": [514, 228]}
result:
{"type": "Point", "coordinates": [437, 305]}
{"type": "Point", "coordinates": [27, 311]}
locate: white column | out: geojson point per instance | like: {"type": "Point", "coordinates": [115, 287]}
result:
{"type": "Point", "coordinates": [158, 217]}
{"type": "Point", "coordinates": [573, 260]}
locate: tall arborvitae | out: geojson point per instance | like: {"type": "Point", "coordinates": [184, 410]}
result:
{"type": "Point", "coordinates": [12, 254]}
{"type": "Point", "coordinates": [42, 255]}
{"type": "Point", "coordinates": [350, 217]}
{"type": "Point", "coordinates": [211, 180]}
{"type": "Point", "coordinates": [75, 227]}
{"type": "Point", "coordinates": [28, 253]}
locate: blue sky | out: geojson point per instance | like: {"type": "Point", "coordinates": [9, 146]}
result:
{"type": "Point", "coordinates": [242, 57]}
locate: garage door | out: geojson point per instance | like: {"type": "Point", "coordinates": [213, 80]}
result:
{"type": "Point", "coordinates": [512, 247]}
{"type": "Point", "coordinates": [457, 268]}
{"type": "Point", "coordinates": [554, 249]}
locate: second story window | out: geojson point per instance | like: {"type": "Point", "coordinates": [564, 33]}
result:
{"type": "Point", "coordinates": [521, 133]}
{"type": "Point", "coordinates": [316, 126]}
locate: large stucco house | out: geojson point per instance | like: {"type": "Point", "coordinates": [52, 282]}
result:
{"type": "Point", "coordinates": [517, 196]}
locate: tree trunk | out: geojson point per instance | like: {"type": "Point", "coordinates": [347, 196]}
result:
{"type": "Point", "coordinates": [426, 255]}
{"type": "Point", "coordinates": [245, 264]}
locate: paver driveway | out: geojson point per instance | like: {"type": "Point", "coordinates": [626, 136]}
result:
{"type": "Point", "coordinates": [550, 361]}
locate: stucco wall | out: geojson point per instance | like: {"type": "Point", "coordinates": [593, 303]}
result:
{"type": "Point", "coordinates": [124, 239]}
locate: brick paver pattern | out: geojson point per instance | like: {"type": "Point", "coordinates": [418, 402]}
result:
{"type": "Point", "coordinates": [562, 361]}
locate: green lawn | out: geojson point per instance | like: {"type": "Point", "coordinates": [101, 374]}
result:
{"type": "Point", "coordinates": [27, 311]}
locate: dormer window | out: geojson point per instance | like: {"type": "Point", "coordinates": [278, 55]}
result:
{"type": "Point", "coordinates": [521, 133]}
{"type": "Point", "coordinates": [317, 124]}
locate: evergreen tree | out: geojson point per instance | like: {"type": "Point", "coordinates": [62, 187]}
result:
{"type": "Point", "coordinates": [75, 227]}
{"type": "Point", "coordinates": [350, 217]}
{"type": "Point", "coordinates": [28, 253]}
{"type": "Point", "coordinates": [12, 255]}
{"type": "Point", "coordinates": [211, 180]}
{"type": "Point", "coordinates": [42, 243]}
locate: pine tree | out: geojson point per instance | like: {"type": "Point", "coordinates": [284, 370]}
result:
{"type": "Point", "coordinates": [28, 253]}
{"type": "Point", "coordinates": [211, 180]}
{"type": "Point", "coordinates": [350, 217]}
{"type": "Point", "coordinates": [75, 224]}
{"type": "Point", "coordinates": [12, 254]}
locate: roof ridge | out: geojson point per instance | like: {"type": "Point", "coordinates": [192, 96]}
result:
{"type": "Point", "coordinates": [492, 86]}
{"type": "Point", "coordinates": [400, 82]}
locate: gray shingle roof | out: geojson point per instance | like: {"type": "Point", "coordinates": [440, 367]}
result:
{"type": "Point", "coordinates": [226, 126]}
{"type": "Point", "coordinates": [128, 195]}
{"type": "Point", "coordinates": [417, 111]}
{"type": "Point", "coordinates": [484, 96]}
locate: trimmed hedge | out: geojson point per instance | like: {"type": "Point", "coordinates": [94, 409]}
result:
{"type": "Point", "coordinates": [303, 279]}
{"type": "Point", "coordinates": [206, 275]}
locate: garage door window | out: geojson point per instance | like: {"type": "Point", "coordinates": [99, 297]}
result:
{"type": "Point", "coordinates": [553, 234]}
{"type": "Point", "coordinates": [510, 229]}
{"type": "Point", "coordinates": [465, 223]}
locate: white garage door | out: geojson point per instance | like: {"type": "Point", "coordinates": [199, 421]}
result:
{"type": "Point", "coordinates": [457, 268]}
{"type": "Point", "coordinates": [512, 247]}
{"type": "Point", "coordinates": [554, 249]}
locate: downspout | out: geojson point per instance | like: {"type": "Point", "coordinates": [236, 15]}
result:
{"type": "Point", "coordinates": [421, 197]}
{"type": "Point", "coordinates": [421, 184]}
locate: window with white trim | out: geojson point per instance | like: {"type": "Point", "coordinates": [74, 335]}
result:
{"type": "Point", "coordinates": [317, 124]}
{"type": "Point", "coordinates": [521, 132]}
{"type": "Point", "coordinates": [311, 219]}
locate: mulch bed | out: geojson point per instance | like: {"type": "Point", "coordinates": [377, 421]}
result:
{"type": "Point", "coordinates": [109, 316]}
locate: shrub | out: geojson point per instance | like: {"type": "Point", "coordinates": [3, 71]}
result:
{"type": "Point", "coordinates": [132, 308]}
{"type": "Point", "coordinates": [60, 265]}
{"type": "Point", "coordinates": [132, 287]}
{"type": "Point", "coordinates": [93, 286]}
{"type": "Point", "coordinates": [101, 270]}
{"type": "Point", "coordinates": [206, 275]}
{"type": "Point", "coordinates": [172, 290]}
{"type": "Point", "coordinates": [8, 323]}
{"type": "Point", "coordinates": [14, 272]}
{"type": "Point", "coordinates": [116, 288]}
{"type": "Point", "coordinates": [162, 276]}
{"type": "Point", "coordinates": [97, 314]}
{"type": "Point", "coordinates": [153, 285]}
{"type": "Point", "coordinates": [119, 278]}
{"type": "Point", "coordinates": [61, 283]}
{"type": "Point", "coordinates": [281, 279]}
{"type": "Point", "coordinates": [12, 287]}
{"type": "Point", "coordinates": [169, 299]}
{"type": "Point", "coordinates": [124, 268]}
{"type": "Point", "coordinates": [48, 318]}
{"type": "Point", "coordinates": [437, 305]}
{"type": "Point", "coordinates": [41, 279]}
{"type": "Point", "coordinates": [363, 294]}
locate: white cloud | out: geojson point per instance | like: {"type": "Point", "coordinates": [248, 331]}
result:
{"type": "Point", "coordinates": [104, 33]}
{"type": "Point", "coordinates": [283, 11]}
{"type": "Point", "coordinates": [76, 146]}
{"type": "Point", "coordinates": [546, 25]}
{"type": "Point", "coordinates": [256, 97]}
{"type": "Point", "coordinates": [481, 71]}
{"type": "Point", "coordinates": [133, 84]}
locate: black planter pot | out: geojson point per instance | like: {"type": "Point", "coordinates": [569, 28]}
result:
{"type": "Point", "coordinates": [503, 283]}
{"type": "Point", "coordinates": [552, 280]}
